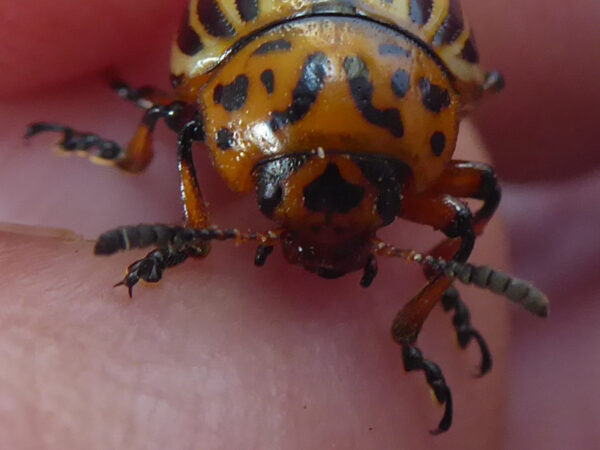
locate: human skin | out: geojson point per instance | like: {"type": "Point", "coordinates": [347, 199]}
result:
{"type": "Point", "coordinates": [173, 367]}
{"type": "Point", "coordinates": [222, 354]}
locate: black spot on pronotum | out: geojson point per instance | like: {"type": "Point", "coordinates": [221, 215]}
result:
{"type": "Point", "coordinates": [248, 9]}
{"type": "Point", "coordinates": [389, 176]}
{"type": "Point", "coordinates": [393, 50]}
{"type": "Point", "coordinates": [305, 93]}
{"type": "Point", "coordinates": [434, 97]}
{"type": "Point", "coordinates": [268, 80]}
{"type": "Point", "coordinates": [281, 45]}
{"type": "Point", "coordinates": [188, 40]}
{"type": "Point", "coordinates": [438, 143]}
{"type": "Point", "coordinates": [270, 176]}
{"type": "Point", "coordinates": [420, 11]}
{"type": "Point", "coordinates": [232, 96]}
{"type": "Point", "coordinates": [330, 193]}
{"type": "Point", "coordinates": [362, 89]}
{"type": "Point", "coordinates": [213, 19]}
{"type": "Point", "coordinates": [224, 139]}
{"type": "Point", "coordinates": [452, 26]}
{"type": "Point", "coordinates": [218, 94]}
{"type": "Point", "coordinates": [469, 51]}
{"type": "Point", "coordinates": [400, 83]}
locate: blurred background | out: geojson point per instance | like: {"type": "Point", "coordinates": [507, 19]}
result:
{"type": "Point", "coordinates": [542, 132]}
{"type": "Point", "coordinates": [543, 135]}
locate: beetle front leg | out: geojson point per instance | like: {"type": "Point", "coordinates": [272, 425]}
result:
{"type": "Point", "coordinates": [151, 267]}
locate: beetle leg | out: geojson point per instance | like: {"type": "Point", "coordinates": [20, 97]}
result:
{"type": "Point", "coordinates": [77, 141]}
{"type": "Point", "coordinates": [471, 180]}
{"type": "Point", "coordinates": [369, 273]}
{"type": "Point", "coordinates": [262, 253]}
{"type": "Point", "coordinates": [151, 267]}
{"type": "Point", "coordinates": [413, 360]}
{"type": "Point", "coordinates": [138, 154]}
{"type": "Point", "coordinates": [464, 331]}
{"type": "Point", "coordinates": [194, 207]}
{"type": "Point", "coordinates": [405, 330]}
{"type": "Point", "coordinates": [494, 82]}
{"type": "Point", "coordinates": [443, 212]}
{"type": "Point", "coordinates": [144, 97]}
{"type": "Point", "coordinates": [175, 245]}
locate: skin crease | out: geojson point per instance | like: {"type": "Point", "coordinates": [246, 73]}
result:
{"type": "Point", "coordinates": [174, 368]}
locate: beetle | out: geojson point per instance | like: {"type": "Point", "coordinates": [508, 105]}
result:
{"type": "Point", "coordinates": [342, 115]}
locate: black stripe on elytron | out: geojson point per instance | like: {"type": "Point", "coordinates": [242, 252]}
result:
{"type": "Point", "coordinates": [434, 97]}
{"type": "Point", "coordinates": [400, 83]}
{"type": "Point", "coordinates": [362, 89]}
{"type": "Point", "coordinates": [232, 96]}
{"type": "Point", "coordinates": [393, 50]}
{"type": "Point", "coordinates": [305, 93]}
{"type": "Point", "coordinates": [188, 40]}
{"type": "Point", "coordinates": [469, 51]}
{"type": "Point", "coordinates": [213, 20]}
{"type": "Point", "coordinates": [452, 26]}
{"type": "Point", "coordinates": [248, 9]}
{"type": "Point", "coordinates": [268, 80]}
{"type": "Point", "coordinates": [438, 143]}
{"type": "Point", "coordinates": [420, 11]}
{"type": "Point", "coordinates": [273, 46]}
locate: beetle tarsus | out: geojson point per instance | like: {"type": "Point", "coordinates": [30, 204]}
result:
{"type": "Point", "coordinates": [370, 272]}
{"type": "Point", "coordinates": [494, 81]}
{"type": "Point", "coordinates": [151, 267]}
{"type": "Point", "coordinates": [464, 331]}
{"type": "Point", "coordinates": [73, 140]}
{"type": "Point", "coordinates": [413, 360]}
{"type": "Point", "coordinates": [262, 253]}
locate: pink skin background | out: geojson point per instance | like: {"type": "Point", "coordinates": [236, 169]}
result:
{"type": "Point", "coordinates": [223, 355]}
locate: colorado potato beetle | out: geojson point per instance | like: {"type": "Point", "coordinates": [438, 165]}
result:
{"type": "Point", "coordinates": [341, 115]}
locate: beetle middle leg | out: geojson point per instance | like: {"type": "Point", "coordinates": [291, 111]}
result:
{"type": "Point", "coordinates": [440, 208]}
{"type": "Point", "coordinates": [467, 179]}
{"type": "Point", "coordinates": [406, 328]}
{"type": "Point", "coordinates": [139, 153]}
{"type": "Point", "coordinates": [446, 213]}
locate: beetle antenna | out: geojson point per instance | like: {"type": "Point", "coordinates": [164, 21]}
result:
{"type": "Point", "coordinates": [516, 290]}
